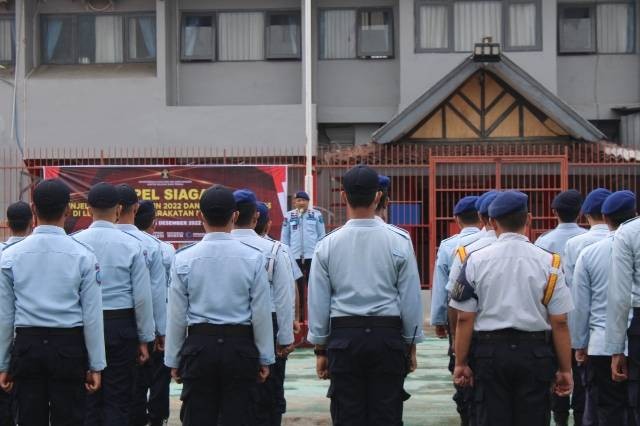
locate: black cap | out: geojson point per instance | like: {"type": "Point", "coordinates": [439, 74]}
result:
{"type": "Point", "coordinates": [50, 194]}
{"type": "Point", "coordinates": [361, 179]}
{"type": "Point", "coordinates": [567, 200]}
{"type": "Point", "coordinates": [19, 212]}
{"type": "Point", "coordinates": [103, 196]}
{"type": "Point", "coordinates": [127, 195]}
{"type": "Point", "coordinates": [217, 200]}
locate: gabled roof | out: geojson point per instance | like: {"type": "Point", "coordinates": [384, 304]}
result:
{"type": "Point", "coordinates": [523, 83]}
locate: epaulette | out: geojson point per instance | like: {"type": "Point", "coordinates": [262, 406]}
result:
{"type": "Point", "coordinates": [545, 233]}
{"type": "Point", "coordinates": [329, 233]}
{"type": "Point", "coordinates": [544, 249]}
{"type": "Point", "coordinates": [630, 220]}
{"type": "Point", "coordinates": [5, 246]}
{"type": "Point", "coordinates": [449, 238]}
{"type": "Point", "coordinates": [158, 240]}
{"type": "Point", "coordinates": [185, 247]}
{"type": "Point", "coordinates": [87, 246]}
{"type": "Point", "coordinates": [398, 231]}
{"type": "Point", "coordinates": [132, 236]}
{"type": "Point", "coordinates": [251, 245]}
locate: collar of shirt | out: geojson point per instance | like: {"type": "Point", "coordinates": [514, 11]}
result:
{"type": "Point", "coordinates": [127, 227]}
{"type": "Point", "coordinates": [244, 233]}
{"type": "Point", "coordinates": [469, 230]}
{"type": "Point", "coordinates": [216, 236]}
{"type": "Point", "coordinates": [363, 222]}
{"type": "Point", "coordinates": [512, 236]}
{"type": "Point", "coordinates": [49, 229]}
{"type": "Point", "coordinates": [490, 233]}
{"type": "Point", "coordinates": [102, 224]}
{"type": "Point", "coordinates": [567, 226]}
{"type": "Point", "coordinates": [599, 227]}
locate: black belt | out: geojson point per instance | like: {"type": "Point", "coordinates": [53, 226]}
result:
{"type": "Point", "coordinates": [366, 322]}
{"type": "Point", "coordinates": [510, 334]}
{"type": "Point", "coordinates": [221, 330]}
{"type": "Point", "coordinates": [118, 313]}
{"type": "Point", "coordinates": [48, 331]}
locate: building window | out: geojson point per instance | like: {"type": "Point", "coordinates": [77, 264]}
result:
{"type": "Point", "coordinates": [241, 36]}
{"type": "Point", "coordinates": [596, 28]}
{"type": "Point", "coordinates": [458, 25]}
{"type": "Point", "coordinates": [98, 39]}
{"type": "Point", "coordinates": [356, 33]}
{"type": "Point", "coordinates": [7, 40]}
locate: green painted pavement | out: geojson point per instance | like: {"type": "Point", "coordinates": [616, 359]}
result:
{"type": "Point", "coordinates": [430, 388]}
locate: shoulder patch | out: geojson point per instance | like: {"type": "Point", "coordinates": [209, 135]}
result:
{"type": "Point", "coordinates": [87, 246]}
{"type": "Point", "coordinates": [183, 248]}
{"type": "Point", "coordinates": [399, 231]}
{"type": "Point", "coordinates": [329, 233]}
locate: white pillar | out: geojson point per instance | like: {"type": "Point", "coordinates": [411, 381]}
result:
{"type": "Point", "coordinates": [309, 119]}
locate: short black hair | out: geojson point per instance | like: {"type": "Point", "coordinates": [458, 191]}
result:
{"type": "Point", "coordinates": [144, 221]}
{"type": "Point", "coordinates": [218, 219]}
{"type": "Point", "coordinates": [127, 208]}
{"type": "Point", "coordinates": [18, 225]}
{"type": "Point", "coordinates": [384, 200]}
{"type": "Point", "coordinates": [246, 211]}
{"type": "Point", "coordinates": [595, 216]}
{"type": "Point", "coordinates": [19, 216]}
{"type": "Point", "coordinates": [469, 217]}
{"type": "Point", "coordinates": [512, 222]}
{"type": "Point", "coordinates": [261, 227]}
{"type": "Point", "coordinates": [568, 215]}
{"type": "Point", "coordinates": [484, 217]}
{"type": "Point", "coordinates": [621, 217]}
{"type": "Point", "coordinates": [360, 199]}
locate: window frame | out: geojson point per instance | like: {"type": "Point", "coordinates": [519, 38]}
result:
{"type": "Point", "coordinates": [593, 5]}
{"type": "Point", "coordinates": [356, 23]}
{"type": "Point", "coordinates": [214, 37]}
{"type": "Point", "coordinates": [75, 36]}
{"type": "Point", "coordinates": [504, 26]}
{"type": "Point", "coordinates": [268, 56]}
{"type": "Point", "coordinates": [12, 21]}
{"type": "Point", "coordinates": [383, 55]}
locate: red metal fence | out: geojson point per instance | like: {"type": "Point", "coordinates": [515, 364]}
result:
{"type": "Point", "coordinates": [426, 179]}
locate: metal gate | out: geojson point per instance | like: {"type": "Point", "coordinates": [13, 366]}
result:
{"type": "Point", "coordinates": [452, 178]}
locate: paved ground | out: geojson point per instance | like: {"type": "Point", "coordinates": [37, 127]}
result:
{"type": "Point", "coordinates": [430, 387]}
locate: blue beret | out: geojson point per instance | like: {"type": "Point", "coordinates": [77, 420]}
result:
{"type": "Point", "coordinates": [593, 203]}
{"type": "Point", "coordinates": [620, 201]}
{"type": "Point", "coordinates": [487, 199]}
{"type": "Point", "coordinates": [302, 194]}
{"type": "Point", "coordinates": [508, 202]}
{"type": "Point", "coordinates": [482, 197]}
{"type": "Point", "coordinates": [567, 200]}
{"type": "Point", "coordinates": [245, 196]}
{"type": "Point", "coordinates": [263, 209]}
{"type": "Point", "coordinates": [384, 181]}
{"type": "Point", "coordinates": [465, 204]}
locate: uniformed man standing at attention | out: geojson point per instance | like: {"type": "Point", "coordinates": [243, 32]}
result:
{"type": "Point", "coordinates": [566, 208]}
{"type": "Point", "coordinates": [623, 294]}
{"type": "Point", "coordinates": [126, 304]}
{"type": "Point", "coordinates": [510, 295]}
{"type": "Point", "coordinates": [590, 283]}
{"type": "Point", "coordinates": [301, 230]}
{"type": "Point", "coordinates": [50, 297]}
{"type": "Point", "coordinates": [365, 311]}
{"type": "Point", "coordinates": [220, 335]}
{"type": "Point", "coordinates": [382, 209]}
{"type": "Point", "coordinates": [151, 395]}
{"type": "Point", "coordinates": [20, 224]}
{"type": "Point", "coordinates": [466, 216]}
{"type": "Point", "coordinates": [281, 282]}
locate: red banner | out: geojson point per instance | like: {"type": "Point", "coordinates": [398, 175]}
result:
{"type": "Point", "coordinates": [175, 191]}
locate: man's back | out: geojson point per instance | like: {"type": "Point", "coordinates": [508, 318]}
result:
{"type": "Point", "coordinates": [555, 240]}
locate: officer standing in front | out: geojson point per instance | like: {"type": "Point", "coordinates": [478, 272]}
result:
{"type": "Point", "coordinates": [126, 304]}
{"type": "Point", "coordinates": [151, 396]}
{"type": "Point", "coordinates": [270, 404]}
{"type": "Point", "coordinates": [511, 295]}
{"type": "Point", "coordinates": [219, 335]}
{"type": "Point", "coordinates": [591, 279]}
{"type": "Point", "coordinates": [365, 310]}
{"type": "Point", "coordinates": [58, 352]}
{"type": "Point", "coordinates": [301, 230]}
{"type": "Point", "coordinates": [623, 294]}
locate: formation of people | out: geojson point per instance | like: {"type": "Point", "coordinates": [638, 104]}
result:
{"type": "Point", "coordinates": [561, 314]}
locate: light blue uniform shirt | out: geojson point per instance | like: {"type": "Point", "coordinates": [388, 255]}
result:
{"type": "Point", "coordinates": [302, 232]}
{"type": "Point", "coordinates": [575, 245]}
{"type": "Point", "coordinates": [364, 268]}
{"type": "Point", "coordinates": [168, 254]}
{"type": "Point", "coordinates": [444, 259]}
{"type": "Point", "coordinates": [624, 284]}
{"type": "Point", "coordinates": [219, 280]}
{"type": "Point", "coordinates": [157, 273]}
{"type": "Point", "coordinates": [282, 284]}
{"type": "Point", "coordinates": [555, 240]}
{"type": "Point", "coordinates": [488, 239]}
{"type": "Point", "coordinates": [123, 273]}
{"type": "Point", "coordinates": [51, 280]}
{"type": "Point", "coordinates": [10, 241]}
{"type": "Point", "coordinates": [591, 280]}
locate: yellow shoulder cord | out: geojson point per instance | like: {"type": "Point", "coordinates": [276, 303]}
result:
{"type": "Point", "coordinates": [551, 282]}
{"type": "Point", "coordinates": [462, 254]}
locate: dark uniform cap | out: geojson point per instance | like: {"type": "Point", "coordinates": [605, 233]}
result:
{"type": "Point", "coordinates": [263, 209]}
{"type": "Point", "coordinates": [567, 200]}
{"type": "Point", "coordinates": [128, 196]}
{"type": "Point", "coordinates": [302, 194]}
{"type": "Point", "coordinates": [384, 182]}
{"type": "Point", "coordinates": [19, 211]}
{"type": "Point", "coordinates": [466, 204]}
{"type": "Point", "coordinates": [103, 196]}
{"type": "Point", "coordinates": [508, 202]}
{"type": "Point", "coordinates": [486, 202]}
{"type": "Point", "coordinates": [51, 193]}
{"type": "Point", "coordinates": [146, 208]}
{"type": "Point", "coordinates": [245, 196]}
{"type": "Point", "coordinates": [482, 197]}
{"type": "Point", "coordinates": [361, 179]}
{"type": "Point", "coordinates": [593, 203]}
{"type": "Point", "coordinates": [620, 201]}
{"type": "Point", "coordinates": [218, 200]}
